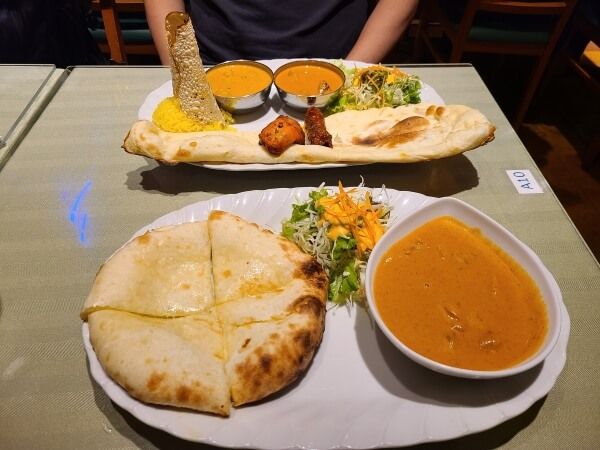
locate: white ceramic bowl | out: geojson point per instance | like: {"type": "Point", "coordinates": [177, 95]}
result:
{"type": "Point", "coordinates": [501, 237]}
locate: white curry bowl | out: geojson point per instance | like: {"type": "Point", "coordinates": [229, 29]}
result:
{"type": "Point", "coordinates": [502, 238]}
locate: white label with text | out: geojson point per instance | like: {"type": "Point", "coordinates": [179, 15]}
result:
{"type": "Point", "coordinates": [524, 181]}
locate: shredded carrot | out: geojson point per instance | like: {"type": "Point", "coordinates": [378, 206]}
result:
{"type": "Point", "coordinates": [358, 219]}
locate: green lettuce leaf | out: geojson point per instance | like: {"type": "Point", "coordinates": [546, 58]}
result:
{"type": "Point", "coordinates": [344, 284]}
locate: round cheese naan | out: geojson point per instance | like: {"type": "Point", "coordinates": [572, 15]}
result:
{"type": "Point", "coordinates": [160, 329]}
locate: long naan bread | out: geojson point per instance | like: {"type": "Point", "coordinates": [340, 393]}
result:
{"type": "Point", "coordinates": [163, 273]}
{"type": "Point", "coordinates": [396, 135]}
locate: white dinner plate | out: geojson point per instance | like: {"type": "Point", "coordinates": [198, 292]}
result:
{"type": "Point", "coordinates": [257, 120]}
{"type": "Point", "coordinates": [360, 391]}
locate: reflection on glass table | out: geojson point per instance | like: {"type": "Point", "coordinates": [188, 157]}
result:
{"type": "Point", "coordinates": [20, 86]}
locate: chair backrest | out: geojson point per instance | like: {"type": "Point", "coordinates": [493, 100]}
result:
{"type": "Point", "coordinates": [116, 36]}
{"type": "Point", "coordinates": [555, 8]}
{"type": "Point", "coordinates": [503, 27]}
{"type": "Point", "coordinates": [559, 10]}
{"type": "Point", "coordinates": [583, 33]}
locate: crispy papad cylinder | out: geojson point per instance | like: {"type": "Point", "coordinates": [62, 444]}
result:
{"type": "Point", "coordinates": [190, 85]}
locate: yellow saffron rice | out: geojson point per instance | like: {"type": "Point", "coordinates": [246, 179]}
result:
{"type": "Point", "coordinates": [169, 116]}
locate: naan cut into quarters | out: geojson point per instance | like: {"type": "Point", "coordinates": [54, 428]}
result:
{"type": "Point", "coordinates": [161, 331]}
{"type": "Point", "coordinates": [404, 134]}
{"type": "Point", "coordinates": [190, 85]}
{"type": "Point", "coordinates": [175, 362]}
{"type": "Point", "coordinates": [165, 272]}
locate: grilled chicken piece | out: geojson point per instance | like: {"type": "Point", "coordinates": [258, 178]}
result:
{"type": "Point", "coordinates": [281, 134]}
{"type": "Point", "coordinates": [314, 124]}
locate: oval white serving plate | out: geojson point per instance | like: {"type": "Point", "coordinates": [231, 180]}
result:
{"type": "Point", "coordinates": [359, 392]}
{"type": "Point", "coordinates": [258, 119]}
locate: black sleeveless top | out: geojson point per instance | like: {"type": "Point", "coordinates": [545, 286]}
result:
{"type": "Point", "coordinates": [267, 29]}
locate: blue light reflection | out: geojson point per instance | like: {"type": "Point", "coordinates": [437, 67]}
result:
{"type": "Point", "coordinates": [78, 216]}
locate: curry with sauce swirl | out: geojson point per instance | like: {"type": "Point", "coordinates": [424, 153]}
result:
{"type": "Point", "coordinates": [453, 296]}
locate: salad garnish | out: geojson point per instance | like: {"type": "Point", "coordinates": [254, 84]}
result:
{"type": "Point", "coordinates": [340, 230]}
{"type": "Point", "coordinates": [375, 87]}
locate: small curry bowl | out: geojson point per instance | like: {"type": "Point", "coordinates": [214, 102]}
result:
{"type": "Point", "coordinates": [235, 76]}
{"type": "Point", "coordinates": [502, 238]}
{"type": "Point", "coordinates": [308, 82]}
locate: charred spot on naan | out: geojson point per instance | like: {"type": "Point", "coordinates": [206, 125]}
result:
{"type": "Point", "coordinates": [311, 271]}
{"type": "Point", "coordinates": [216, 214]}
{"type": "Point", "coordinates": [310, 305]}
{"type": "Point", "coordinates": [154, 380]}
{"type": "Point", "coordinates": [403, 131]}
{"type": "Point", "coordinates": [436, 111]}
{"type": "Point", "coordinates": [303, 339]}
{"type": "Point", "coordinates": [144, 239]}
{"type": "Point", "coordinates": [490, 137]}
{"type": "Point", "coordinates": [183, 154]}
{"type": "Point", "coordinates": [185, 394]}
{"type": "Point", "coordinates": [275, 364]}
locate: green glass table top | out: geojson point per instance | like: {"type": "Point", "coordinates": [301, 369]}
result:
{"type": "Point", "coordinates": [70, 196]}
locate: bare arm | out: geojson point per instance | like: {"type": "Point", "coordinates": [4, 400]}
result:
{"type": "Point", "coordinates": [156, 11]}
{"type": "Point", "coordinates": [385, 25]}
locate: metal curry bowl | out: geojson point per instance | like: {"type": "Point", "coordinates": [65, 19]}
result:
{"type": "Point", "coordinates": [304, 101]}
{"type": "Point", "coordinates": [239, 104]}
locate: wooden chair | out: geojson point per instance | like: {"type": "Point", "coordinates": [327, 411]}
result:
{"type": "Point", "coordinates": [496, 26]}
{"type": "Point", "coordinates": [584, 28]}
{"type": "Point", "coordinates": [119, 42]}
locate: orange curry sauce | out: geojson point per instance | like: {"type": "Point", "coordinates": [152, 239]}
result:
{"type": "Point", "coordinates": [308, 80]}
{"type": "Point", "coordinates": [237, 80]}
{"type": "Point", "coordinates": [450, 294]}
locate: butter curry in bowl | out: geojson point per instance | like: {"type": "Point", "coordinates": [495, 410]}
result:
{"type": "Point", "coordinates": [459, 294]}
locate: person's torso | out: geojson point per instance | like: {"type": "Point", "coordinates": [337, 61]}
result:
{"type": "Point", "coordinates": [263, 29]}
